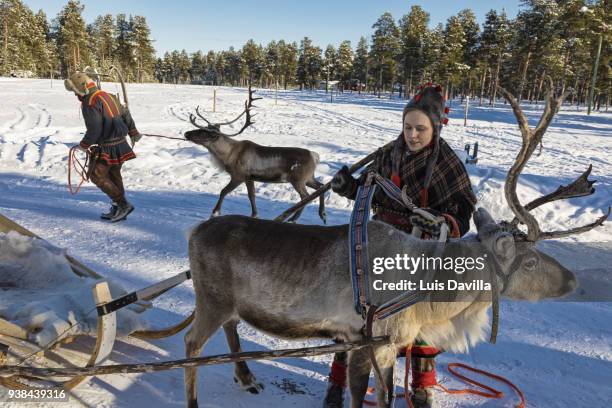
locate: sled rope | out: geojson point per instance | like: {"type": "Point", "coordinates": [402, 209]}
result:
{"type": "Point", "coordinates": [492, 392]}
{"type": "Point", "coordinates": [79, 168]}
{"type": "Point", "coordinates": [163, 136]}
{"type": "Point", "coordinates": [489, 393]}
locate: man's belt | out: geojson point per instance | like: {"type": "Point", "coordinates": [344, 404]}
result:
{"type": "Point", "coordinates": [112, 142]}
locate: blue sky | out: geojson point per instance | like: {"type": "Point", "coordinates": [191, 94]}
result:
{"type": "Point", "coordinates": [217, 25]}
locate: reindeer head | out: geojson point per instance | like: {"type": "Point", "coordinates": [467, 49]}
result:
{"type": "Point", "coordinates": [526, 272]}
{"type": "Point", "coordinates": [205, 135]}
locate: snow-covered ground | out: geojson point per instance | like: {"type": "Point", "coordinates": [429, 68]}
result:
{"type": "Point", "coordinates": [558, 353]}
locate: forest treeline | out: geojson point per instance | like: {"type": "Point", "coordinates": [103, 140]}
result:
{"type": "Point", "coordinates": [556, 38]}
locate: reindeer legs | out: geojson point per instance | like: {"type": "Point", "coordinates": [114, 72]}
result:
{"type": "Point", "coordinates": [231, 186]}
{"type": "Point", "coordinates": [385, 356]}
{"type": "Point", "coordinates": [317, 185]}
{"type": "Point", "coordinates": [242, 374]}
{"type": "Point", "coordinates": [251, 191]}
{"type": "Point", "coordinates": [204, 326]}
{"type": "Point", "coordinates": [359, 374]}
{"type": "Point", "coordinates": [300, 187]}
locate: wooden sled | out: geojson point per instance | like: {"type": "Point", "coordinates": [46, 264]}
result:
{"type": "Point", "coordinates": [18, 348]}
{"type": "Point", "coordinates": [14, 340]}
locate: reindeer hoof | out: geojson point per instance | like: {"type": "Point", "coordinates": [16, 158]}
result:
{"type": "Point", "coordinates": [323, 217]}
{"type": "Point", "coordinates": [252, 386]}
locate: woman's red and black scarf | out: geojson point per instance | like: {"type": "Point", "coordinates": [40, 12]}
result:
{"type": "Point", "coordinates": [432, 175]}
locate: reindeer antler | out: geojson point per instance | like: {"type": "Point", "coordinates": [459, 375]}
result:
{"type": "Point", "coordinates": [531, 139]}
{"type": "Point", "coordinates": [247, 110]}
{"type": "Point", "coordinates": [193, 119]}
{"type": "Point", "coordinates": [216, 126]}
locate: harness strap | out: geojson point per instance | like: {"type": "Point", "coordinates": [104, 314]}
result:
{"type": "Point", "coordinates": [358, 241]}
{"type": "Point", "coordinates": [370, 313]}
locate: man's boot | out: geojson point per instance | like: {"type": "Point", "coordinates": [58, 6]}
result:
{"type": "Point", "coordinates": [111, 212]}
{"type": "Point", "coordinates": [334, 397]}
{"type": "Point", "coordinates": [124, 208]}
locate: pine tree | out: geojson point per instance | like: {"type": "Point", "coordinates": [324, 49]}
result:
{"type": "Point", "coordinates": [413, 33]}
{"type": "Point", "coordinates": [233, 66]}
{"type": "Point", "coordinates": [385, 48]}
{"type": "Point", "coordinates": [288, 61]}
{"type": "Point", "coordinates": [144, 53]}
{"type": "Point", "coordinates": [328, 65]}
{"type": "Point", "coordinates": [39, 48]}
{"type": "Point", "coordinates": [303, 62]}
{"type": "Point", "coordinates": [344, 63]}
{"type": "Point", "coordinates": [51, 62]}
{"type": "Point", "coordinates": [453, 67]}
{"type": "Point", "coordinates": [433, 64]}
{"type": "Point", "coordinates": [167, 68]}
{"type": "Point", "coordinates": [471, 32]}
{"type": "Point", "coordinates": [211, 74]}
{"type": "Point", "coordinates": [102, 33]}
{"type": "Point", "coordinates": [12, 13]}
{"type": "Point", "coordinates": [253, 60]}
{"type": "Point", "coordinates": [360, 63]}
{"type": "Point", "coordinates": [72, 38]}
{"type": "Point", "coordinates": [197, 71]}
{"type": "Point", "coordinates": [314, 65]}
{"type": "Point", "coordinates": [271, 66]}
{"type": "Point", "coordinates": [183, 65]}
{"type": "Point", "coordinates": [124, 53]}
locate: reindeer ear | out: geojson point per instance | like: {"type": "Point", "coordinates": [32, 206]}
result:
{"type": "Point", "coordinates": [482, 217]}
{"type": "Point", "coordinates": [485, 224]}
{"type": "Point", "coordinates": [504, 246]}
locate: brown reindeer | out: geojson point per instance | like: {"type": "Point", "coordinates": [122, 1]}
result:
{"type": "Point", "coordinates": [247, 162]}
{"type": "Point", "coordinates": [293, 281]}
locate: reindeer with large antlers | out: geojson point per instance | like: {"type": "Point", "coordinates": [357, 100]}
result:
{"type": "Point", "coordinates": [293, 281]}
{"type": "Point", "coordinates": [247, 162]}
{"type": "Point", "coordinates": [531, 139]}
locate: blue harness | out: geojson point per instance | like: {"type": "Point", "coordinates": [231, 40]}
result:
{"type": "Point", "coordinates": [358, 249]}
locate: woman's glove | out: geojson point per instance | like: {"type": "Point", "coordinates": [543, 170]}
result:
{"type": "Point", "coordinates": [344, 184]}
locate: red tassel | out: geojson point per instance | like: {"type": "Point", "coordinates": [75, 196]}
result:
{"type": "Point", "coordinates": [338, 374]}
{"type": "Point", "coordinates": [445, 121]}
{"type": "Point", "coordinates": [395, 178]}
{"type": "Point", "coordinates": [446, 110]}
{"type": "Point", "coordinates": [417, 97]}
{"type": "Point", "coordinates": [425, 350]}
{"type": "Point", "coordinates": [422, 379]}
{"type": "Point", "coordinates": [424, 197]}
